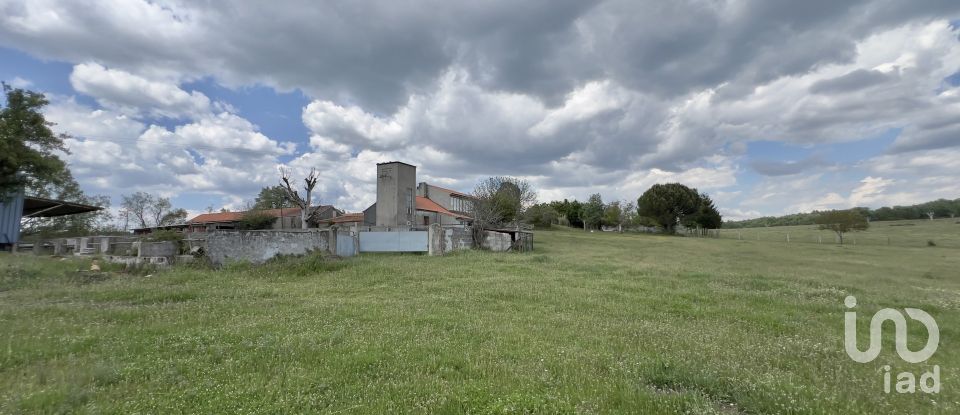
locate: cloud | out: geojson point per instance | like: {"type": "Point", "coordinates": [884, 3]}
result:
{"type": "Point", "coordinates": [129, 93]}
{"type": "Point", "coordinates": [82, 121]}
{"type": "Point", "coordinates": [786, 168]}
{"type": "Point", "coordinates": [218, 154]}
{"type": "Point", "coordinates": [576, 96]}
{"type": "Point", "coordinates": [870, 190]}
{"type": "Point", "coordinates": [18, 82]}
{"type": "Point", "coordinates": [853, 81]}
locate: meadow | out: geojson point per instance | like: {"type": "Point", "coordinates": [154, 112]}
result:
{"type": "Point", "coordinates": [588, 323]}
{"type": "Point", "coordinates": [943, 232]}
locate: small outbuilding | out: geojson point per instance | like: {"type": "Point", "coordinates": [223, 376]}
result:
{"type": "Point", "coordinates": [14, 209]}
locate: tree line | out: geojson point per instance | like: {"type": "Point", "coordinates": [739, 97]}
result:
{"type": "Point", "coordinates": [940, 208]}
{"type": "Point", "coordinates": [665, 206]}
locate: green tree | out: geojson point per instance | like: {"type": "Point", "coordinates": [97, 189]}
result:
{"type": "Point", "coordinates": [668, 204]}
{"type": "Point", "coordinates": [593, 212]}
{"type": "Point", "coordinates": [174, 217]}
{"type": "Point", "coordinates": [499, 202]}
{"type": "Point", "coordinates": [570, 212]}
{"type": "Point", "coordinates": [707, 216]}
{"type": "Point", "coordinates": [611, 214]}
{"type": "Point", "coordinates": [272, 197]}
{"type": "Point", "coordinates": [149, 210]}
{"type": "Point", "coordinates": [256, 219]}
{"type": "Point", "coordinates": [27, 145]}
{"type": "Point", "coordinates": [541, 215]}
{"type": "Point", "coordinates": [842, 221]}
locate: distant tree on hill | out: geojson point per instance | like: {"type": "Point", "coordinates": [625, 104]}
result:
{"type": "Point", "coordinates": [842, 221]}
{"type": "Point", "coordinates": [941, 208]}
{"type": "Point", "coordinates": [668, 204]}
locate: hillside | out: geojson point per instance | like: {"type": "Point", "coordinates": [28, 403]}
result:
{"type": "Point", "coordinates": [941, 208]}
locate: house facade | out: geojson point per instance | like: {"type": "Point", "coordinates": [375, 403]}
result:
{"type": "Point", "coordinates": [455, 205]}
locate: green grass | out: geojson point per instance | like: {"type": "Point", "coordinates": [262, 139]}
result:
{"type": "Point", "coordinates": [589, 323]}
{"type": "Point", "coordinates": [902, 233]}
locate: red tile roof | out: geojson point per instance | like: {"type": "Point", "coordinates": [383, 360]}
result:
{"type": "Point", "coordinates": [349, 217]}
{"type": "Point", "coordinates": [219, 217]}
{"type": "Point", "coordinates": [431, 206]}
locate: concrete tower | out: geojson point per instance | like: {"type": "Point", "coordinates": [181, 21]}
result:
{"type": "Point", "coordinates": [396, 194]}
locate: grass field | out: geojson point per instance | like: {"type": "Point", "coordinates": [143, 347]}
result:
{"type": "Point", "coordinates": [589, 323]}
{"type": "Point", "coordinates": [903, 233]}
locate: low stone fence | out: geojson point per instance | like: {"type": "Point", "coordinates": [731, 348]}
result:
{"type": "Point", "coordinates": [259, 246]}
{"type": "Point", "coordinates": [448, 239]}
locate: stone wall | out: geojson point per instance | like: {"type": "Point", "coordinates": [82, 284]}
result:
{"type": "Point", "coordinates": [497, 241]}
{"type": "Point", "coordinates": [259, 246]}
{"type": "Point", "coordinates": [167, 249]}
{"type": "Point", "coordinates": [442, 240]}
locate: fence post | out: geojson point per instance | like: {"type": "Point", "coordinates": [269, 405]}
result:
{"type": "Point", "coordinates": [435, 239]}
{"type": "Point", "coordinates": [788, 237]}
{"type": "Point", "coordinates": [819, 239]}
{"type": "Point", "coordinates": [758, 235]}
{"type": "Point", "coordinates": [739, 236]}
{"type": "Point", "coordinates": [332, 239]}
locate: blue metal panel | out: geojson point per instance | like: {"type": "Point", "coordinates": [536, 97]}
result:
{"type": "Point", "coordinates": [412, 241]}
{"type": "Point", "coordinates": [345, 245]}
{"type": "Point", "coordinates": [10, 213]}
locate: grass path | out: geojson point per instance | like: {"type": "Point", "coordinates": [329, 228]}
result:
{"type": "Point", "coordinates": [589, 323]}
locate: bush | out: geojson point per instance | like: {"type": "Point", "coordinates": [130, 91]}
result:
{"type": "Point", "coordinates": [541, 215]}
{"type": "Point", "coordinates": [165, 235]}
{"type": "Point", "coordinates": [256, 219]}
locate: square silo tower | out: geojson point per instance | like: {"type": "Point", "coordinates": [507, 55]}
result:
{"type": "Point", "coordinates": [396, 194]}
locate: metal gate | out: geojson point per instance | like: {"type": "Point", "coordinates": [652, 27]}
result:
{"type": "Point", "coordinates": [411, 241]}
{"type": "Point", "coordinates": [345, 245]}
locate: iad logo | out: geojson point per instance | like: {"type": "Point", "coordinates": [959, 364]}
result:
{"type": "Point", "coordinates": [906, 382]}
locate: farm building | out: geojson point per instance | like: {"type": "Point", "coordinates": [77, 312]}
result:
{"type": "Point", "coordinates": [401, 203]}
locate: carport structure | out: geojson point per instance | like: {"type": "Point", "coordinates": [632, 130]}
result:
{"type": "Point", "coordinates": [12, 212]}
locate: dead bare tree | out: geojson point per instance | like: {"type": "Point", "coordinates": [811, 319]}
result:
{"type": "Point", "coordinates": [305, 203]}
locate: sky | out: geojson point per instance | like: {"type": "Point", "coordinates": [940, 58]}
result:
{"type": "Point", "coordinates": [770, 106]}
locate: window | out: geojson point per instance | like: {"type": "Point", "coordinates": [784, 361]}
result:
{"type": "Point", "coordinates": [459, 204]}
{"type": "Point", "coordinates": [409, 201]}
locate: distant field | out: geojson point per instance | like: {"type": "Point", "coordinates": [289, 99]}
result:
{"type": "Point", "coordinates": [589, 323]}
{"type": "Point", "coordinates": [912, 233]}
